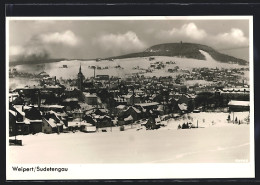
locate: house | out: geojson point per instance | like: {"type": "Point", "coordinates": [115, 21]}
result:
{"type": "Point", "coordinates": [89, 128]}
{"type": "Point", "coordinates": [52, 122]}
{"type": "Point", "coordinates": [17, 126]}
{"type": "Point", "coordinates": [73, 103]}
{"type": "Point", "coordinates": [238, 106]}
{"type": "Point", "coordinates": [102, 77]}
{"type": "Point", "coordinates": [120, 100]}
{"type": "Point", "coordinates": [89, 119]}
{"type": "Point", "coordinates": [90, 99]}
{"type": "Point", "coordinates": [128, 120]}
{"type": "Point", "coordinates": [134, 112]}
{"type": "Point", "coordinates": [183, 107]}
{"type": "Point", "coordinates": [103, 121]}
{"type": "Point", "coordinates": [185, 98]}
{"type": "Point", "coordinates": [148, 106]}
{"type": "Point", "coordinates": [13, 96]}
{"type": "Point", "coordinates": [120, 108]}
{"type": "Point", "coordinates": [131, 100]}
{"type": "Point", "coordinates": [49, 126]}
{"type": "Point", "coordinates": [188, 100]}
{"type": "Point", "coordinates": [151, 123]}
{"type": "Point", "coordinates": [76, 125]}
{"type": "Point", "coordinates": [12, 123]}
{"type": "Point", "coordinates": [77, 114]}
{"type": "Point", "coordinates": [34, 117]}
{"type": "Point", "coordinates": [73, 93]}
{"type": "Point", "coordinates": [22, 128]}
{"type": "Point", "coordinates": [17, 123]}
{"type": "Point", "coordinates": [100, 112]}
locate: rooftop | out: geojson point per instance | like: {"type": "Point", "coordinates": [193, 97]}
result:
{"type": "Point", "coordinates": [239, 103]}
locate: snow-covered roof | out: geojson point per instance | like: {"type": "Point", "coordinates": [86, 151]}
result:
{"type": "Point", "coordinates": [27, 121]}
{"type": "Point", "coordinates": [160, 108]}
{"type": "Point", "coordinates": [70, 100]}
{"type": "Point", "coordinates": [97, 116]}
{"type": "Point", "coordinates": [73, 123]}
{"type": "Point", "coordinates": [239, 103]}
{"type": "Point", "coordinates": [90, 95]}
{"type": "Point", "coordinates": [157, 120]}
{"type": "Point", "coordinates": [128, 118]}
{"type": "Point", "coordinates": [147, 104]}
{"type": "Point", "coordinates": [91, 128]}
{"type": "Point", "coordinates": [183, 106]}
{"type": "Point", "coordinates": [56, 114]}
{"type": "Point", "coordinates": [127, 96]}
{"type": "Point", "coordinates": [136, 110]}
{"type": "Point", "coordinates": [12, 112]}
{"type": "Point", "coordinates": [35, 120]}
{"type": "Point", "coordinates": [89, 112]}
{"type": "Point", "coordinates": [53, 106]}
{"type": "Point", "coordinates": [120, 106]}
{"type": "Point", "coordinates": [52, 122]}
{"type": "Point", "coordinates": [19, 109]}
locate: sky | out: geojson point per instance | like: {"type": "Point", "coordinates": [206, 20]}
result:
{"type": "Point", "coordinates": [88, 39]}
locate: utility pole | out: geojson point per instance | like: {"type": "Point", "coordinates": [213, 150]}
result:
{"type": "Point", "coordinates": [233, 118]}
{"type": "Point", "coordinates": [94, 72]}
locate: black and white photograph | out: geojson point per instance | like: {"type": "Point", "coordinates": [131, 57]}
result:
{"type": "Point", "coordinates": [129, 97]}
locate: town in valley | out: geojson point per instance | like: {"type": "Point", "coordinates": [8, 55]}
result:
{"type": "Point", "coordinates": [188, 101]}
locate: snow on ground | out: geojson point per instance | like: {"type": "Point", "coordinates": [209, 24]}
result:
{"type": "Point", "coordinates": [207, 119]}
{"type": "Point", "coordinates": [221, 143]}
{"type": "Point", "coordinates": [21, 82]}
{"type": "Point", "coordinates": [54, 69]}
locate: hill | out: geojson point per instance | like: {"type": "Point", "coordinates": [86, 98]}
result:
{"type": "Point", "coordinates": [186, 50]}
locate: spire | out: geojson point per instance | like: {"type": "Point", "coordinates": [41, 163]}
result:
{"type": "Point", "coordinates": [80, 68]}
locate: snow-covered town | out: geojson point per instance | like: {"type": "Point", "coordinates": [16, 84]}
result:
{"type": "Point", "coordinates": [179, 102]}
{"type": "Point", "coordinates": [104, 105]}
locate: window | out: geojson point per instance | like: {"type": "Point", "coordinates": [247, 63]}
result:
{"type": "Point", "coordinates": [20, 128]}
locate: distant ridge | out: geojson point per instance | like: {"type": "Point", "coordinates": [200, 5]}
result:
{"type": "Point", "coordinates": [187, 50]}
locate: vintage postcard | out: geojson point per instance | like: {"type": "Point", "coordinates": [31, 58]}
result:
{"type": "Point", "coordinates": [129, 97]}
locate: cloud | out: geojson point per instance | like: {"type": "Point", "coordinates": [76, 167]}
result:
{"type": "Point", "coordinates": [235, 37]}
{"type": "Point", "coordinates": [16, 50]}
{"type": "Point", "coordinates": [116, 44]}
{"type": "Point", "coordinates": [42, 46]}
{"type": "Point", "coordinates": [188, 31]}
{"type": "Point", "coordinates": [67, 38]}
{"type": "Point", "coordinates": [192, 33]}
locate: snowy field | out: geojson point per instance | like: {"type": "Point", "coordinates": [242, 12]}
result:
{"type": "Point", "coordinates": [220, 142]}
{"type": "Point", "coordinates": [54, 69]}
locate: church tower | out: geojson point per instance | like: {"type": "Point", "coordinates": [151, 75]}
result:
{"type": "Point", "coordinates": [80, 79]}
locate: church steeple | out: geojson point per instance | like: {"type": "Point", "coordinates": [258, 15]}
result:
{"type": "Point", "coordinates": [80, 79]}
{"type": "Point", "coordinates": [80, 68]}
